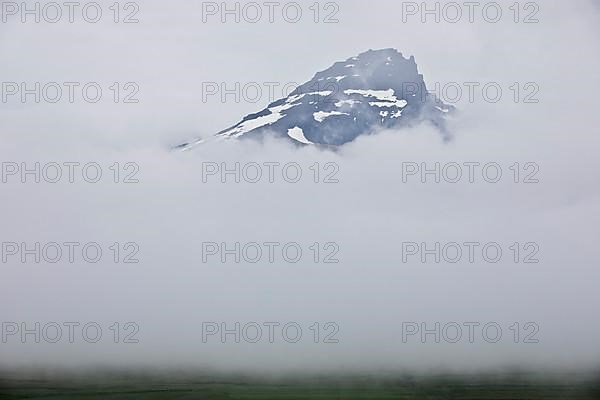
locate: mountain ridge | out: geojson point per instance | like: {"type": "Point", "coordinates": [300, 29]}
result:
{"type": "Point", "coordinates": [377, 89]}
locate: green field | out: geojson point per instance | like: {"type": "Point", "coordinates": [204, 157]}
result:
{"type": "Point", "coordinates": [174, 386]}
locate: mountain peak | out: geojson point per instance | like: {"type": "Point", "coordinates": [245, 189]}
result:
{"type": "Point", "coordinates": [382, 53]}
{"type": "Point", "coordinates": [377, 89]}
{"type": "Point", "coordinates": [372, 70]}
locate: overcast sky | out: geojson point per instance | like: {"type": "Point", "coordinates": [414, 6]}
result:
{"type": "Point", "coordinates": [369, 213]}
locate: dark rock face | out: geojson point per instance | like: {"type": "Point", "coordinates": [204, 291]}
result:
{"type": "Point", "coordinates": [375, 90]}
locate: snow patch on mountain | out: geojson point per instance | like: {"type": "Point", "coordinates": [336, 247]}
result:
{"type": "Point", "coordinates": [296, 133]}
{"type": "Point", "coordinates": [321, 115]}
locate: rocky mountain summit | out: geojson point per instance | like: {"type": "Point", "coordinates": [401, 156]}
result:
{"type": "Point", "coordinates": [378, 89]}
